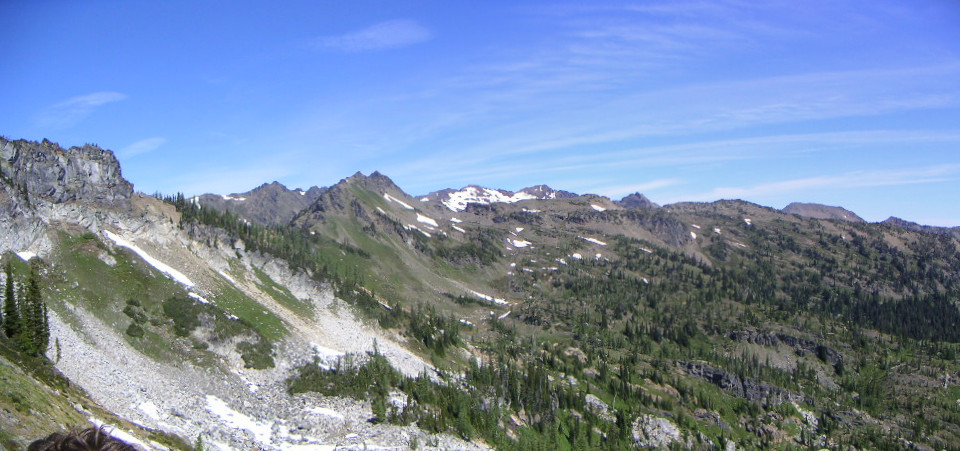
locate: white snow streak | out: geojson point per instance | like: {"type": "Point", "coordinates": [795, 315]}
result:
{"type": "Point", "coordinates": [489, 298]}
{"type": "Point", "coordinates": [598, 208]}
{"type": "Point", "coordinates": [413, 227]}
{"type": "Point", "coordinates": [748, 221]}
{"type": "Point", "coordinates": [458, 229]}
{"type": "Point", "coordinates": [394, 199]}
{"type": "Point", "coordinates": [693, 235]}
{"type": "Point", "coordinates": [159, 265]}
{"type": "Point", "coordinates": [199, 298]}
{"type": "Point", "coordinates": [455, 220]}
{"type": "Point", "coordinates": [593, 240]}
{"type": "Point", "coordinates": [427, 220]}
{"type": "Point", "coordinates": [227, 276]}
{"type": "Point", "coordinates": [576, 256]}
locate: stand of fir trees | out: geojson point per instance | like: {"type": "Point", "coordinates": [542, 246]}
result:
{"type": "Point", "coordinates": [24, 319]}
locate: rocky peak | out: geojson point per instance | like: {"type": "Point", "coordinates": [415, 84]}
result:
{"type": "Point", "coordinates": [545, 192]}
{"type": "Point", "coordinates": [53, 174]}
{"type": "Point", "coordinates": [637, 201]}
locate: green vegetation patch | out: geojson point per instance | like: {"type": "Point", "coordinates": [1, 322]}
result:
{"type": "Point", "coordinates": [188, 314]}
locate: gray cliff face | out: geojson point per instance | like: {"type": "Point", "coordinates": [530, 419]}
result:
{"type": "Point", "coordinates": [50, 173]}
{"type": "Point", "coordinates": [42, 182]}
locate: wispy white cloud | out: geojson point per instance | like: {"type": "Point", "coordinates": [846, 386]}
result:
{"type": "Point", "coordinates": [141, 147]}
{"type": "Point", "coordinates": [72, 111]}
{"type": "Point", "coordinates": [382, 36]}
{"type": "Point", "coordinates": [849, 180]}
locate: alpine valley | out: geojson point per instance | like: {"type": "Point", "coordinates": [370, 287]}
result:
{"type": "Point", "coordinates": [357, 316]}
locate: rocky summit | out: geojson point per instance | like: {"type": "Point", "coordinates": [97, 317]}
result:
{"type": "Point", "coordinates": [357, 316]}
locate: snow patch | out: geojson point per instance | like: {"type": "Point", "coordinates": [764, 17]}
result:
{"type": "Point", "coordinates": [427, 220]}
{"type": "Point", "coordinates": [716, 230]}
{"type": "Point", "coordinates": [458, 200]}
{"type": "Point", "coordinates": [458, 229]}
{"type": "Point", "coordinates": [150, 409]}
{"type": "Point", "coordinates": [455, 220]}
{"type": "Point", "coordinates": [576, 256]}
{"type": "Point", "coordinates": [505, 315]}
{"type": "Point", "coordinates": [693, 235]}
{"type": "Point", "coordinates": [695, 226]}
{"type": "Point", "coordinates": [748, 221]}
{"type": "Point", "coordinates": [198, 297]}
{"type": "Point", "coordinates": [26, 255]}
{"type": "Point", "coordinates": [160, 266]}
{"type": "Point", "coordinates": [593, 240]}
{"type": "Point", "coordinates": [239, 199]}
{"type": "Point", "coordinates": [424, 199]}
{"type": "Point", "coordinates": [489, 298]}
{"type": "Point", "coordinates": [467, 323]}
{"type": "Point", "coordinates": [394, 199]}
{"type": "Point", "coordinates": [327, 357]}
{"type": "Point", "coordinates": [646, 250]}
{"type": "Point", "coordinates": [237, 420]}
{"type": "Point", "coordinates": [301, 192]}
{"type": "Point", "coordinates": [519, 243]}
{"type": "Point", "coordinates": [598, 208]}
{"type": "Point", "coordinates": [519, 229]}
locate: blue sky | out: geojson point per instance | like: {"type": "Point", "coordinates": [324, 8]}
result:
{"type": "Point", "coordinates": [852, 103]}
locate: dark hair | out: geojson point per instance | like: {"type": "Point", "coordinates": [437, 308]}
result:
{"type": "Point", "coordinates": [89, 439]}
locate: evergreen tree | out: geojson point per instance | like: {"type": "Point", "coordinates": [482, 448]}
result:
{"type": "Point", "coordinates": [31, 317]}
{"type": "Point", "coordinates": [11, 313]}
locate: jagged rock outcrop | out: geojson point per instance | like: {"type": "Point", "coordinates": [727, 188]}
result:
{"type": "Point", "coordinates": [818, 211]}
{"type": "Point", "coordinates": [654, 432]}
{"type": "Point", "coordinates": [42, 182]}
{"type": "Point", "coordinates": [742, 387]}
{"type": "Point", "coordinates": [47, 172]}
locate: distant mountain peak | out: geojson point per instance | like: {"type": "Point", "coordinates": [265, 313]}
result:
{"type": "Point", "coordinates": [637, 201]}
{"type": "Point", "coordinates": [819, 211]}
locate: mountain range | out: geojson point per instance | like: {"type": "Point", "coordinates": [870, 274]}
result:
{"type": "Point", "coordinates": [359, 316]}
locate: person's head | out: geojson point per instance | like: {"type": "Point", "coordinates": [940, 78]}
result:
{"type": "Point", "coordinates": [90, 439]}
